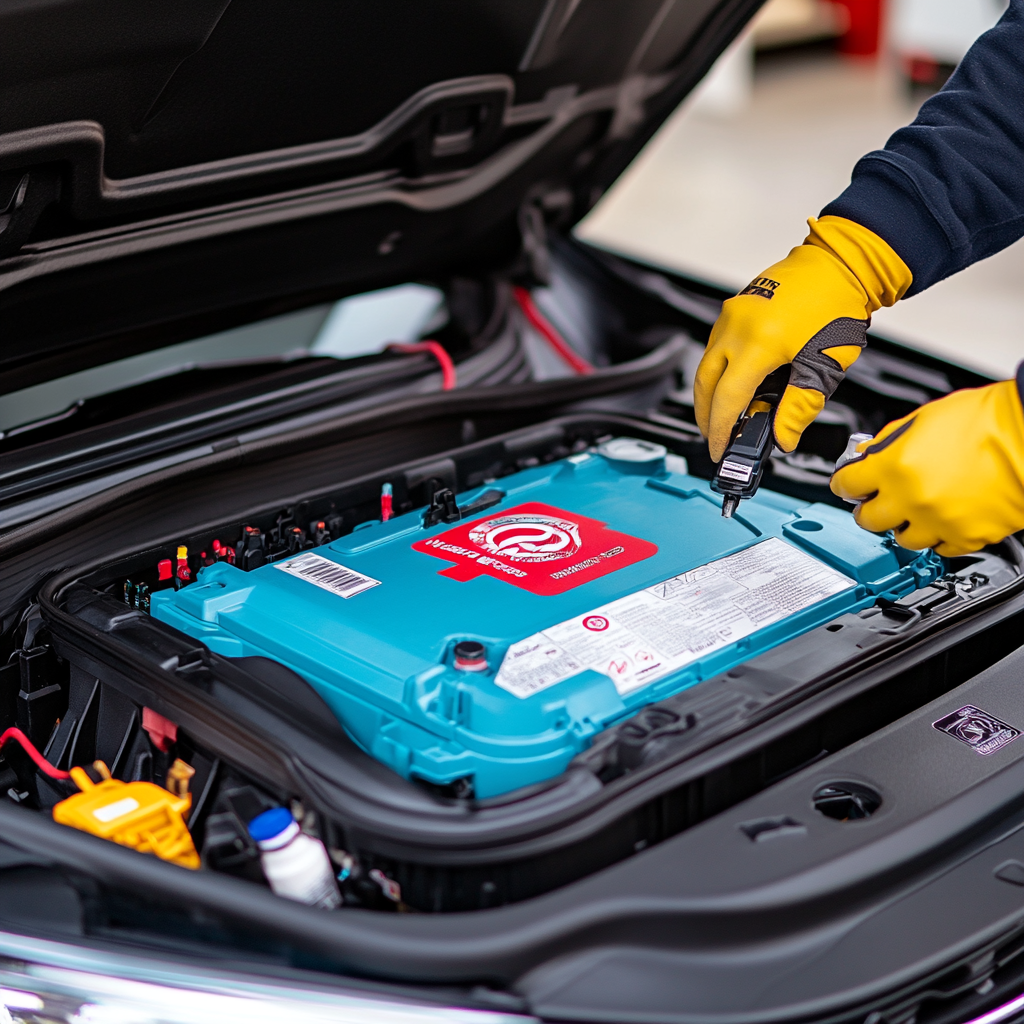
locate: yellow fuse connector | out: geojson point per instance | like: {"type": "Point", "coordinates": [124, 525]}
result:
{"type": "Point", "coordinates": [136, 814]}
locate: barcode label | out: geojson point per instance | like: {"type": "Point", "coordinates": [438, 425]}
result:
{"type": "Point", "coordinates": [328, 575]}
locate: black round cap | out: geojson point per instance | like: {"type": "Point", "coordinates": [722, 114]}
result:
{"type": "Point", "coordinates": [469, 650]}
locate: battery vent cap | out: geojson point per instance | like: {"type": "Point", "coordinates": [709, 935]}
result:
{"type": "Point", "coordinates": [470, 656]}
{"type": "Point", "coordinates": [632, 455]}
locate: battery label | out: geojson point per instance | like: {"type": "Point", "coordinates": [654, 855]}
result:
{"type": "Point", "coordinates": [538, 547]}
{"type": "Point", "coordinates": [644, 636]}
{"type": "Point", "coordinates": [328, 575]}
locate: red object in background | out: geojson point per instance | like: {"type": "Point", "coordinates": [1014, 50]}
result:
{"type": "Point", "coordinates": [164, 569]}
{"type": "Point", "coordinates": [922, 70]}
{"type": "Point", "coordinates": [864, 30]}
{"type": "Point", "coordinates": [543, 326]}
{"type": "Point", "coordinates": [162, 731]}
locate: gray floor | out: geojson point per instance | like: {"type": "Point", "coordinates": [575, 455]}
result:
{"type": "Point", "coordinates": [723, 197]}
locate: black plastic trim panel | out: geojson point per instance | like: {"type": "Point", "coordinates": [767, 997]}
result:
{"type": "Point", "coordinates": [820, 924]}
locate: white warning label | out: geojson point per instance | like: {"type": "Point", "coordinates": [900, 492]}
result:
{"type": "Point", "coordinates": [644, 636]}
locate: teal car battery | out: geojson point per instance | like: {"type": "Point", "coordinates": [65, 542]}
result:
{"type": "Point", "coordinates": [485, 642]}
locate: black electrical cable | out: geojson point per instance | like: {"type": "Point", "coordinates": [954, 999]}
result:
{"type": "Point", "coordinates": [403, 411]}
{"type": "Point", "coordinates": [36, 481]}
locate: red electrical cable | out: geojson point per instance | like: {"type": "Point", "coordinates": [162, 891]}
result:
{"type": "Point", "coordinates": [41, 763]}
{"type": "Point", "coordinates": [436, 349]}
{"type": "Point", "coordinates": [541, 324]}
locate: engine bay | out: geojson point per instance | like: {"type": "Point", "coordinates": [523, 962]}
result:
{"type": "Point", "coordinates": [464, 654]}
{"type": "Point", "coordinates": [238, 683]}
{"type": "Point", "coordinates": [372, 616]}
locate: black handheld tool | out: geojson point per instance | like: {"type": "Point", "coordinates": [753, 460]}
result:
{"type": "Point", "coordinates": [742, 466]}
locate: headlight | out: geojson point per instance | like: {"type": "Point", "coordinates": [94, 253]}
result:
{"type": "Point", "coordinates": [52, 983]}
{"type": "Point", "coordinates": [1001, 1013]}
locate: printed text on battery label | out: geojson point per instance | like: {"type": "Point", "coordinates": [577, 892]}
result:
{"type": "Point", "coordinates": [642, 637]}
{"type": "Point", "coordinates": [328, 575]}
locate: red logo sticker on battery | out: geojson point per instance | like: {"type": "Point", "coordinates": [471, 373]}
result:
{"type": "Point", "coordinates": [538, 547]}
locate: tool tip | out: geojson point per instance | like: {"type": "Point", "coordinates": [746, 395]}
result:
{"type": "Point", "coordinates": [729, 505]}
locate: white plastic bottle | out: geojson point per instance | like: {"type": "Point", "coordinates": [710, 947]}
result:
{"type": "Point", "coordinates": [296, 865]}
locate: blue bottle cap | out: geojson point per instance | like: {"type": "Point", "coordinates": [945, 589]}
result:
{"type": "Point", "coordinates": [270, 823]}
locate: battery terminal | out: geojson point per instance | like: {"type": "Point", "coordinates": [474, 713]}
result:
{"type": "Point", "coordinates": [470, 656]}
{"type": "Point", "coordinates": [250, 550]}
{"type": "Point", "coordinates": [222, 552]}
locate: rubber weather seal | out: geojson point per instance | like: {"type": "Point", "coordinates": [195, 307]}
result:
{"type": "Point", "coordinates": [540, 394]}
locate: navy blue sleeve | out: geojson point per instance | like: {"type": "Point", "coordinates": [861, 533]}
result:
{"type": "Point", "coordinates": [948, 190]}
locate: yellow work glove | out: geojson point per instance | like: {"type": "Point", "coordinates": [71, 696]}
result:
{"type": "Point", "coordinates": [811, 310]}
{"type": "Point", "coordinates": [949, 476]}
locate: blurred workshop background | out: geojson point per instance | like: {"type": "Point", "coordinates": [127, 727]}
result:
{"type": "Point", "coordinates": [771, 136]}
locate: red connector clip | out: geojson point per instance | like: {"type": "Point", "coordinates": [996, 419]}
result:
{"type": "Point", "coordinates": [161, 731]}
{"type": "Point", "coordinates": [184, 573]}
{"type": "Point", "coordinates": [223, 553]}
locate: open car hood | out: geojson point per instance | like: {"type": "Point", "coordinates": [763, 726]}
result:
{"type": "Point", "coordinates": [168, 173]}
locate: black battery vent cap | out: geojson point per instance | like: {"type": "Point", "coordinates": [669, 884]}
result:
{"type": "Point", "coordinates": [470, 656]}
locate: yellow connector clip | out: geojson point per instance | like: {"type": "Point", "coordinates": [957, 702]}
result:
{"type": "Point", "coordinates": [136, 814]}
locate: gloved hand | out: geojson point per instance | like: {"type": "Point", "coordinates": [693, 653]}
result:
{"type": "Point", "coordinates": [812, 310]}
{"type": "Point", "coordinates": [949, 476]}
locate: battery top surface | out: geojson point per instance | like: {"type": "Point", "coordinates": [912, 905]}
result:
{"type": "Point", "coordinates": [595, 585]}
